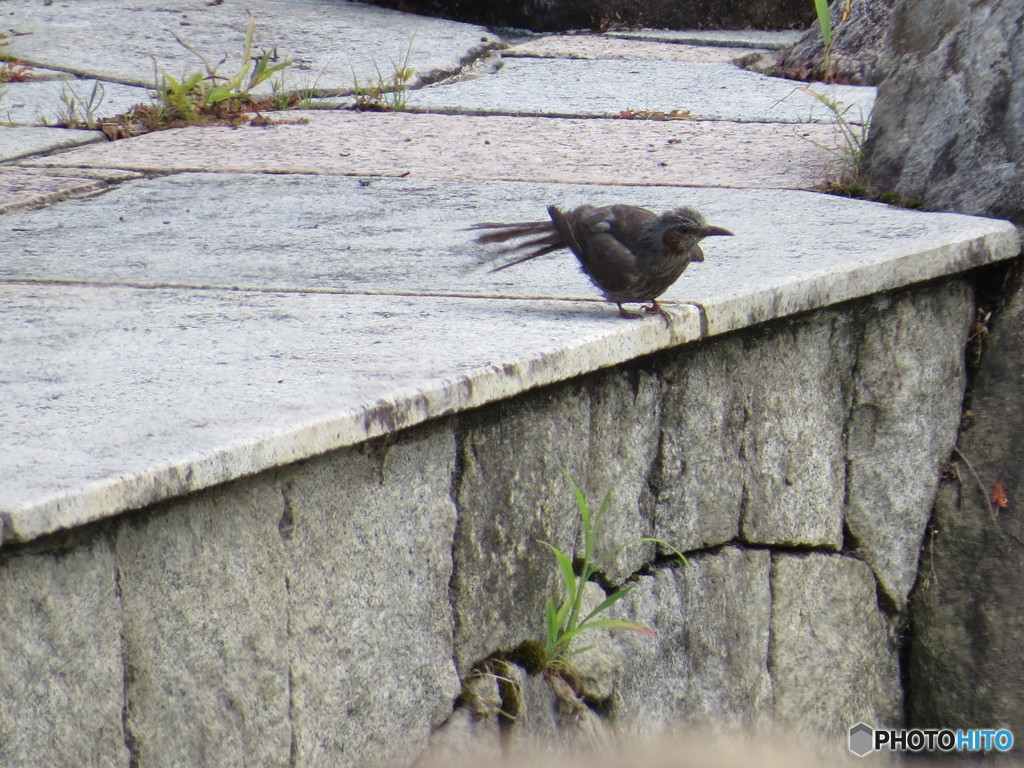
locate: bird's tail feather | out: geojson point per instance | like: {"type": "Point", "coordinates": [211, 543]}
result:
{"type": "Point", "coordinates": [550, 247]}
{"type": "Point", "coordinates": [542, 236]}
{"type": "Point", "coordinates": [506, 232]}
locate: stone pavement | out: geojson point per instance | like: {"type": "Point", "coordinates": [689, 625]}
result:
{"type": "Point", "coordinates": [191, 306]}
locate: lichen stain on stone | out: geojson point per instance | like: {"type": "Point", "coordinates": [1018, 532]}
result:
{"type": "Point", "coordinates": [385, 417]}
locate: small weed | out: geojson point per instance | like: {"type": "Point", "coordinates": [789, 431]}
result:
{"type": "Point", "coordinates": [15, 72]}
{"type": "Point", "coordinates": [209, 96]}
{"type": "Point", "coordinates": [12, 70]}
{"type": "Point", "coordinates": [78, 112]}
{"type": "Point", "coordinates": [385, 94]}
{"type": "Point", "coordinates": [825, 23]}
{"type": "Point", "coordinates": [564, 622]}
{"type": "Point", "coordinates": [845, 175]}
{"type": "Point", "coordinates": [821, 9]}
{"type": "Point", "coordinates": [204, 97]}
{"type": "Point", "coordinates": [284, 94]}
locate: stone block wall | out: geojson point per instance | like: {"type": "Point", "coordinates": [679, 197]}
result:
{"type": "Point", "coordinates": [330, 612]}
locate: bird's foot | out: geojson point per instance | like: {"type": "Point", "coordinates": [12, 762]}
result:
{"type": "Point", "coordinates": [628, 314]}
{"type": "Point", "coordinates": [657, 309]}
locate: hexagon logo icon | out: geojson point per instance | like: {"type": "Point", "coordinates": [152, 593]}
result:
{"type": "Point", "coordinates": [862, 739]}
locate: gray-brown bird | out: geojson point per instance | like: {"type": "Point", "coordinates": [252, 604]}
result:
{"type": "Point", "coordinates": [631, 254]}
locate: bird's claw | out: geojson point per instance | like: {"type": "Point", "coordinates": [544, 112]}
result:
{"type": "Point", "coordinates": [657, 309]}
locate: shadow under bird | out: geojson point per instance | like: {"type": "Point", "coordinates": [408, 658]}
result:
{"type": "Point", "coordinates": [631, 254]}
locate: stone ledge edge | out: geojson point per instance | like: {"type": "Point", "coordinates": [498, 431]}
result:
{"type": "Point", "coordinates": [403, 409]}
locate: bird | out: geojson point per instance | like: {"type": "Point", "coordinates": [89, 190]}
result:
{"type": "Point", "coordinates": [630, 253]}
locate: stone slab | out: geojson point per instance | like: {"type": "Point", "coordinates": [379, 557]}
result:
{"type": "Point", "coordinates": [740, 38]}
{"type": "Point", "coordinates": [906, 414]}
{"type": "Point", "coordinates": [116, 397]}
{"type": "Point", "coordinates": [331, 42]}
{"type": "Point", "coordinates": [709, 663]}
{"type": "Point", "coordinates": [742, 453]}
{"type": "Point", "coordinates": [503, 575]}
{"type": "Point", "coordinates": [61, 102]}
{"type": "Point", "coordinates": [16, 142]}
{"type": "Point", "coordinates": [61, 676]}
{"type": "Point", "coordinates": [793, 251]}
{"type": "Point", "coordinates": [625, 421]}
{"type": "Point", "coordinates": [651, 152]}
{"type": "Point", "coordinates": [342, 282]}
{"type": "Point", "coordinates": [368, 535]}
{"type": "Point", "coordinates": [607, 47]}
{"type": "Point", "coordinates": [707, 91]}
{"type": "Point", "coordinates": [26, 187]}
{"type": "Point", "coordinates": [206, 629]}
{"type": "Point", "coordinates": [833, 657]}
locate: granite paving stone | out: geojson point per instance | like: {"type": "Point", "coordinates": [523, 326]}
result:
{"type": "Point", "coordinates": [328, 233]}
{"type": "Point", "coordinates": [25, 187]}
{"type": "Point", "coordinates": [115, 397]}
{"type": "Point", "coordinates": [650, 152]}
{"type": "Point", "coordinates": [253, 320]}
{"type": "Point", "coordinates": [22, 141]}
{"type": "Point", "coordinates": [604, 88]}
{"type": "Point", "coordinates": [607, 47]}
{"type": "Point", "coordinates": [330, 42]}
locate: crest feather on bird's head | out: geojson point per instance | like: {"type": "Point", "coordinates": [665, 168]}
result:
{"type": "Point", "coordinates": [683, 218]}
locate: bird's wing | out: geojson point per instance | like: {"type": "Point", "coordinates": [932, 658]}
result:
{"type": "Point", "coordinates": [609, 244]}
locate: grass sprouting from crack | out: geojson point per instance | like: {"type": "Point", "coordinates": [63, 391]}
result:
{"type": "Point", "coordinates": [385, 93]}
{"type": "Point", "coordinates": [564, 621]}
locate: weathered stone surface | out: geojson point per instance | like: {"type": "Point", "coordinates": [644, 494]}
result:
{"type": "Point", "coordinates": [22, 141]}
{"type": "Point", "coordinates": [859, 45]}
{"type": "Point", "coordinates": [948, 127]}
{"type": "Point", "coordinates": [708, 664]}
{"type": "Point", "coordinates": [206, 629]}
{"type": "Point", "coordinates": [555, 719]}
{"type": "Point", "coordinates": [61, 679]}
{"type": "Point", "coordinates": [743, 38]}
{"type": "Point", "coordinates": [751, 441]}
{"type": "Point", "coordinates": [537, 719]}
{"type": "Point", "coordinates": [697, 481]}
{"type": "Point", "coordinates": [512, 495]}
{"type": "Point", "coordinates": [699, 90]}
{"type": "Point", "coordinates": [967, 611]}
{"type": "Point", "coordinates": [791, 386]}
{"type": "Point", "coordinates": [692, 153]}
{"type": "Point", "coordinates": [833, 661]}
{"type": "Point", "coordinates": [607, 47]}
{"type": "Point", "coordinates": [907, 395]}
{"type": "Point", "coordinates": [368, 533]}
{"type": "Point", "coordinates": [623, 440]}
{"type": "Point", "coordinates": [26, 187]}
{"type": "Point", "coordinates": [353, 40]}
{"type": "Point", "coordinates": [471, 731]}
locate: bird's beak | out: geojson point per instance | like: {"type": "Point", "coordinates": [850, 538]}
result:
{"type": "Point", "coordinates": [712, 231]}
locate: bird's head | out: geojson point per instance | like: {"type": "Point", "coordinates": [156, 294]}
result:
{"type": "Point", "coordinates": [681, 230]}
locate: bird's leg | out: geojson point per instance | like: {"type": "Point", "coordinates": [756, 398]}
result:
{"type": "Point", "coordinates": [623, 312]}
{"type": "Point", "coordinates": [657, 309]}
